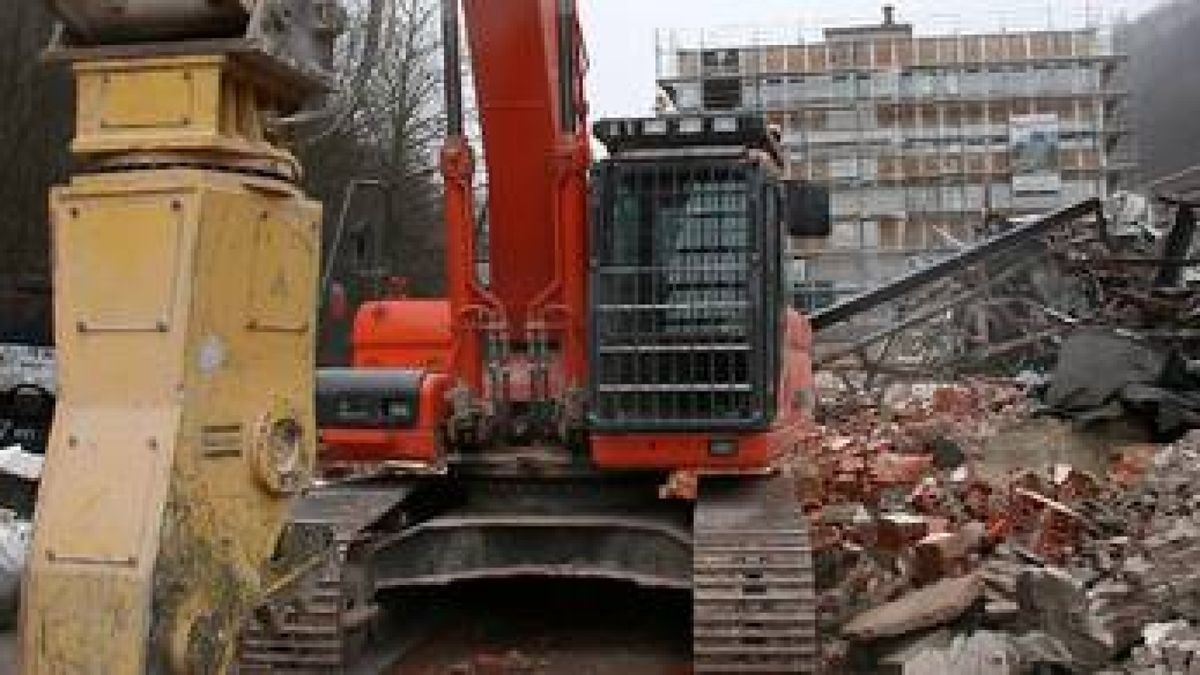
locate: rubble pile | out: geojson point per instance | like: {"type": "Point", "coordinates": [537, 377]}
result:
{"type": "Point", "coordinates": [928, 560]}
{"type": "Point", "coordinates": [1105, 374]}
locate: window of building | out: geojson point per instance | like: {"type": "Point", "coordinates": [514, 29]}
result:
{"type": "Point", "coordinates": [845, 234]}
{"type": "Point", "coordinates": [883, 53]}
{"type": "Point", "coordinates": [973, 49]}
{"type": "Point", "coordinates": [688, 64]}
{"type": "Point", "coordinates": [998, 82]}
{"type": "Point", "coordinates": [926, 83]}
{"type": "Point", "coordinates": [840, 55]}
{"type": "Point", "coordinates": [723, 94]}
{"type": "Point", "coordinates": [843, 86]}
{"type": "Point", "coordinates": [891, 233]}
{"type": "Point", "coordinates": [1065, 79]}
{"type": "Point", "coordinates": [974, 197]}
{"type": "Point", "coordinates": [914, 236]}
{"type": "Point", "coordinates": [842, 120]}
{"type": "Point", "coordinates": [844, 167]}
{"type": "Point", "coordinates": [774, 92]}
{"type": "Point", "coordinates": [870, 234]}
{"type": "Point", "coordinates": [797, 90]}
{"type": "Point", "coordinates": [722, 61]}
{"type": "Point", "coordinates": [949, 84]}
{"type": "Point", "coordinates": [687, 96]}
{"type": "Point", "coordinates": [819, 87]}
{"type": "Point", "coordinates": [886, 83]}
{"type": "Point", "coordinates": [863, 85]}
{"type": "Point", "coordinates": [973, 83]}
{"type": "Point", "coordinates": [1001, 196]}
{"type": "Point", "coordinates": [868, 168]}
{"type": "Point", "coordinates": [927, 51]}
{"type": "Point", "coordinates": [952, 198]}
{"type": "Point", "coordinates": [752, 96]}
{"type": "Point", "coordinates": [886, 201]}
{"type": "Point", "coordinates": [1039, 80]}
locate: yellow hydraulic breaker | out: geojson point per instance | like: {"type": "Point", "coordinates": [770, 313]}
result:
{"type": "Point", "coordinates": [185, 261]}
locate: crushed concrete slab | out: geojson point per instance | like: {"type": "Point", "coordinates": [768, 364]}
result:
{"type": "Point", "coordinates": [981, 653]}
{"type": "Point", "coordinates": [923, 608]}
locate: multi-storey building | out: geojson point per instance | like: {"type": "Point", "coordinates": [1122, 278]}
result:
{"type": "Point", "coordinates": [922, 139]}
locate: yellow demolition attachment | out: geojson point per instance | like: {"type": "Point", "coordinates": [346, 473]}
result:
{"type": "Point", "coordinates": [185, 266]}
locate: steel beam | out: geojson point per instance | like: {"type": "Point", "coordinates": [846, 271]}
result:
{"type": "Point", "coordinates": [865, 302]}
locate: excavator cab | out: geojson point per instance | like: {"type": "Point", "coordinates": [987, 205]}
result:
{"type": "Point", "coordinates": [689, 318]}
{"type": "Point", "coordinates": [687, 281]}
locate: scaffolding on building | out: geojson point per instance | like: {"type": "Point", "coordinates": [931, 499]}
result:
{"type": "Point", "coordinates": [914, 132]}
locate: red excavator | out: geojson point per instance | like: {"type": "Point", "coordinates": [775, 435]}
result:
{"type": "Point", "coordinates": [606, 401]}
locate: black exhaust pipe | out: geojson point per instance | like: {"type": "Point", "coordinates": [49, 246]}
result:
{"type": "Point", "coordinates": [567, 51]}
{"type": "Point", "coordinates": [452, 53]}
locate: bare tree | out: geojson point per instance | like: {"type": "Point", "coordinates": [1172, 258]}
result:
{"type": "Point", "coordinates": [35, 128]}
{"type": "Point", "coordinates": [391, 135]}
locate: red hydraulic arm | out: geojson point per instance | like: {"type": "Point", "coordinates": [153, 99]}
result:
{"type": "Point", "coordinates": [526, 329]}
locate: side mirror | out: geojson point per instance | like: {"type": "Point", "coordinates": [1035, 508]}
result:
{"type": "Point", "coordinates": [807, 209]}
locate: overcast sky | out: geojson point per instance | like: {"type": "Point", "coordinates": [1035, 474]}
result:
{"type": "Point", "coordinates": [621, 33]}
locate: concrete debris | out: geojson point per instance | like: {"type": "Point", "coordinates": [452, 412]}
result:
{"type": "Point", "coordinates": [1084, 563]}
{"type": "Point", "coordinates": [16, 536]}
{"type": "Point", "coordinates": [933, 605]}
{"type": "Point", "coordinates": [1172, 647]}
{"type": "Point", "coordinates": [982, 653]}
{"type": "Point", "coordinates": [20, 472]}
{"type": "Point", "coordinates": [1105, 374]}
{"type": "Point", "coordinates": [25, 366]}
{"type": "Point", "coordinates": [998, 310]}
{"type": "Point", "coordinates": [14, 461]}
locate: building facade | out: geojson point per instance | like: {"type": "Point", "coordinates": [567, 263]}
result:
{"type": "Point", "coordinates": [921, 139]}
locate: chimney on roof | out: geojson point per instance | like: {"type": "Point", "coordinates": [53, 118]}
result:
{"type": "Point", "coordinates": [889, 15]}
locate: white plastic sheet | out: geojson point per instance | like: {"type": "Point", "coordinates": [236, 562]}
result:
{"type": "Point", "coordinates": [14, 461]}
{"type": "Point", "coordinates": [15, 538]}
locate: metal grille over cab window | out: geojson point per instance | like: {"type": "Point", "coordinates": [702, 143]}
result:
{"type": "Point", "coordinates": [679, 313]}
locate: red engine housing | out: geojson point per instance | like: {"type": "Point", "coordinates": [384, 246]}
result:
{"type": "Point", "coordinates": [404, 333]}
{"type": "Point", "coordinates": [401, 335]}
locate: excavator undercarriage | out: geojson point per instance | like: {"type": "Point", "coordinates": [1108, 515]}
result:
{"type": "Point", "coordinates": [741, 547]}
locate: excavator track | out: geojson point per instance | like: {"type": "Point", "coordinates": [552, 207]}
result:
{"type": "Point", "coordinates": [321, 626]}
{"type": "Point", "coordinates": [318, 632]}
{"type": "Point", "coordinates": [754, 598]}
